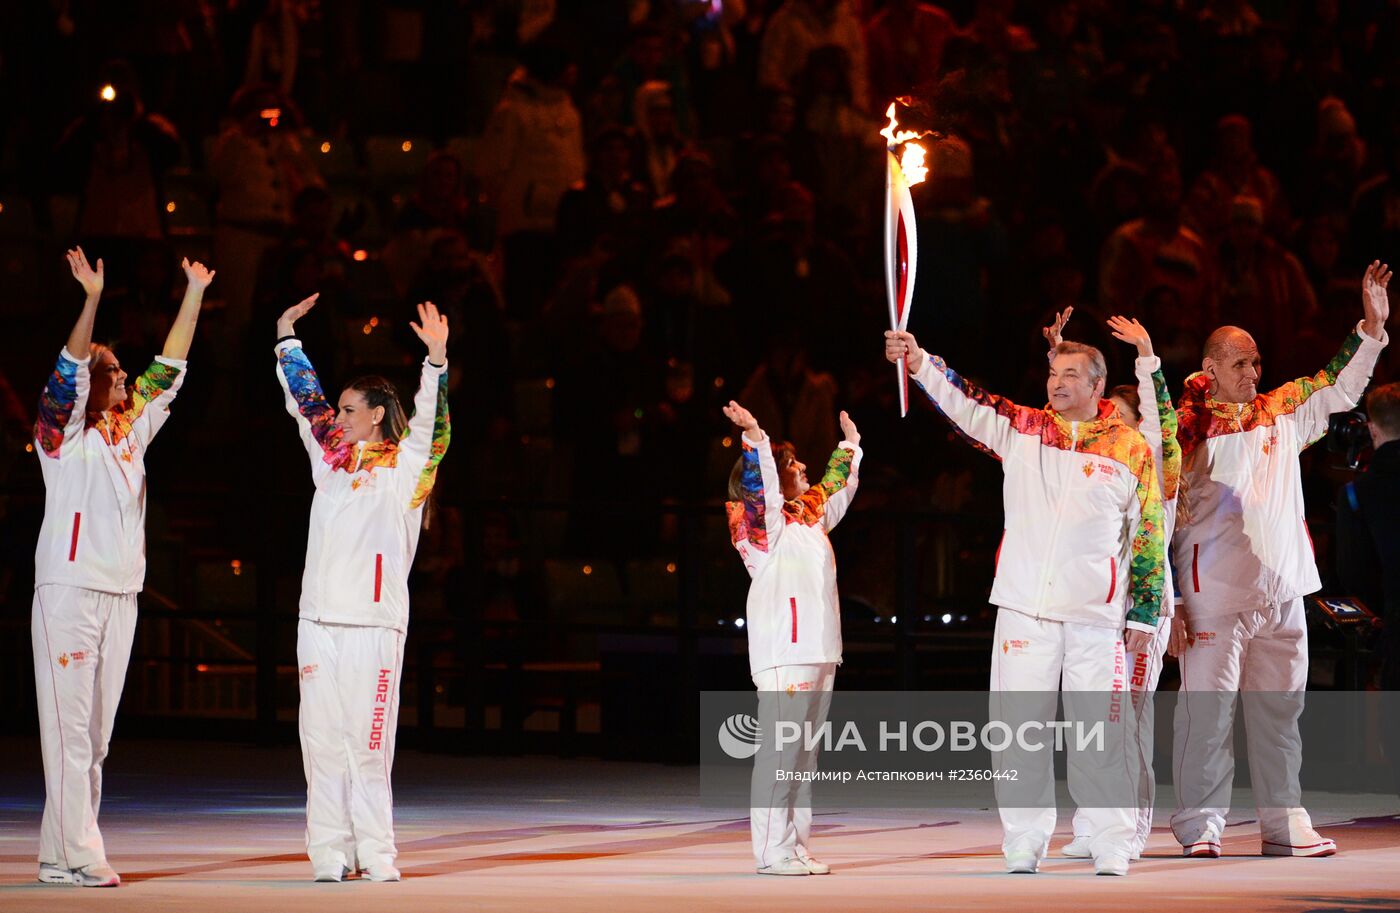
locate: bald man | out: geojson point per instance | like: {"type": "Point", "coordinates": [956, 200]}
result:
{"type": "Point", "coordinates": [1244, 561]}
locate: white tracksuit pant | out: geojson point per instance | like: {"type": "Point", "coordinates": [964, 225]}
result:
{"type": "Point", "coordinates": [1144, 671]}
{"type": "Point", "coordinates": [82, 643]}
{"type": "Point", "coordinates": [784, 825]}
{"type": "Point", "coordinates": [1262, 650]}
{"type": "Point", "coordinates": [349, 714]}
{"type": "Point", "coordinates": [1034, 655]}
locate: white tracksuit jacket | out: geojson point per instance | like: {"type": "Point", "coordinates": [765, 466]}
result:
{"type": "Point", "coordinates": [367, 511]}
{"type": "Point", "coordinates": [1083, 541]}
{"type": "Point", "coordinates": [1247, 546]}
{"type": "Point", "coordinates": [94, 530]}
{"type": "Point", "coordinates": [793, 615]}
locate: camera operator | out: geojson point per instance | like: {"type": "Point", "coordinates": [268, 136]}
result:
{"type": "Point", "coordinates": [1368, 544]}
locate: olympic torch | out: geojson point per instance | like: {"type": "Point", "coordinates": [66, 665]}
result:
{"type": "Point", "coordinates": [901, 233]}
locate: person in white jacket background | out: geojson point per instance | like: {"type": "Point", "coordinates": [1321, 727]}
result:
{"type": "Point", "coordinates": [1246, 561]}
{"type": "Point", "coordinates": [779, 524]}
{"type": "Point", "coordinates": [91, 435]}
{"type": "Point", "coordinates": [1081, 558]}
{"type": "Point", "coordinates": [1147, 407]}
{"type": "Point", "coordinates": [373, 469]}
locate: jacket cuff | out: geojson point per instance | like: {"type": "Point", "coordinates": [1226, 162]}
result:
{"type": "Point", "coordinates": [1142, 626]}
{"type": "Point", "coordinates": [437, 368]}
{"type": "Point", "coordinates": [73, 358]}
{"type": "Point", "coordinates": [286, 342]}
{"type": "Point", "coordinates": [1149, 363]}
{"type": "Point", "coordinates": [1383, 341]}
{"type": "Point", "coordinates": [180, 363]}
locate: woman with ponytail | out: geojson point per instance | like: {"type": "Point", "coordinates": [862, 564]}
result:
{"type": "Point", "coordinates": [373, 468]}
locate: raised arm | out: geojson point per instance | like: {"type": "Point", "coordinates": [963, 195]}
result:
{"type": "Point", "coordinates": [1338, 387]}
{"type": "Point", "coordinates": [305, 400]}
{"type": "Point", "coordinates": [988, 421]}
{"type": "Point", "coordinates": [430, 428]}
{"type": "Point", "coordinates": [80, 339]}
{"type": "Point", "coordinates": [842, 476]}
{"type": "Point", "coordinates": [1159, 421]}
{"type": "Point", "coordinates": [63, 404]}
{"type": "Point", "coordinates": [177, 343]}
{"type": "Point", "coordinates": [758, 517]}
{"type": "Point", "coordinates": [1147, 576]}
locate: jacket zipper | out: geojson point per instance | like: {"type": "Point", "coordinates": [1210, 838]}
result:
{"type": "Point", "coordinates": [1055, 531]}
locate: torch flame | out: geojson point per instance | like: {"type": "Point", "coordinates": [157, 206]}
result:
{"type": "Point", "coordinates": [911, 160]}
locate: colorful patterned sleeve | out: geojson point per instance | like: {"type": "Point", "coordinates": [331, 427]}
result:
{"type": "Point", "coordinates": [985, 420]}
{"type": "Point", "coordinates": [441, 435]}
{"type": "Point", "coordinates": [1148, 573]}
{"type": "Point", "coordinates": [1336, 388]}
{"type": "Point", "coordinates": [305, 400]}
{"type": "Point", "coordinates": [748, 517]}
{"type": "Point", "coordinates": [158, 382]}
{"type": "Point", "coordinates": [61, 405]}
{"type": "Point", "coordinates": [1159, 424]}
{"type": "Point", "coordinates": [838, 472]}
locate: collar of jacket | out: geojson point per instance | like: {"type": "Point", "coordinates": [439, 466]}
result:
{"type": "Point", "coordinates": [1196, 395]}
{"type": "Point", "coordinates": [354, 458]}
{"type": "Point", "coordinates": [1107, 415]}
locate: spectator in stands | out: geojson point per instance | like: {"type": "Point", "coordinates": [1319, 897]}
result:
{"type": "Point", "coordinates": [531, 155]}
{"type": "Point", "coordinates": [660, 138]}
{"type": "Point", "coordinates": [1157, 250]}
{"type": "Point", "coordinates": [259, 166]}
{"type": "Point", "coordinates": [792, 400]}
{"type": "Point", "coordinates": [1263, 286]}
{"type": "Point", "coordinates": [797, 29]}
{"type": "Point", "coordinates": [119, 152]}
{"type": "Point", "coordinates": [611, 207]}
{"type": "Point", "coordinates": [1234, 171]}
{"type": "Point", "coordinates": [905, 43]}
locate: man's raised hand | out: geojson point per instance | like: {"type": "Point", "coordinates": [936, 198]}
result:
{"type": "Point", "coordinates": [1054, 333]}
{"type": "Point", "coordinates": [902, 344]}
{"type": "Point", "coordinates": [1374, 299]}
{"type": "Point", "coordinates": [1133, 333]}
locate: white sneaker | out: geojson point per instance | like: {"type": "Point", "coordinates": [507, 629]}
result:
{"type": "Point", "coordinates": [333, 874]}
{"type": "Point", "coordinates": [55, 874]}
{"type": "Point", "coordinates": [1206, 846]}
{"type": "Point", "coordinates": [789, 866]}
{"type": "Point", "coordinates": [1022, 863]}
{"type": "Point", "coordinates": [1078, 848]}
{"type": "Point", "coordinates": [97, 875]}
{"type": "Point", "coordinates": [814, 866]}
{"type": "Point", "coordinates": [381, 873]}
{"type": "Point", "coordinates": [1111, 864]}
{"type": "Point", "coordinates": [1303, 842]}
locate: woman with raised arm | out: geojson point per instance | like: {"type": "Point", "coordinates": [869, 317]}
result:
{"type": "Point", "coordinates": [373, 468]}
{"type": "Point", "coordinates": [91, 437]}
{"type": "Point", "coordinates": [1147, 407]}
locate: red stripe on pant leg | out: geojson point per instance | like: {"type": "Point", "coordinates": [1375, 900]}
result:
{"type": "Point", "coordinates": [1195, 567]}
{"type": "Point", "coordinates": [73, 547]}
{"type": "Point", "coordinates": [1112, 578]}
{"type": "Point", "coordinates": [378, 575]}
{"type": "Point", "coordinates": [794, 619]}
